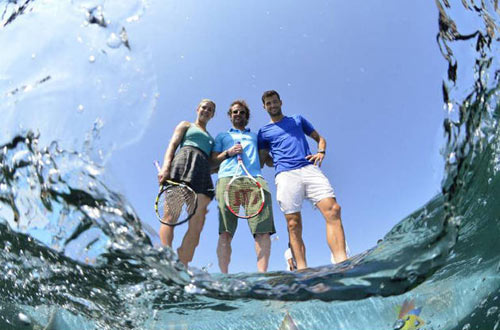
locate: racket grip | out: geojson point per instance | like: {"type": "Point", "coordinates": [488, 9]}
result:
{"type": "Point", "coordinates": [239, 155]}
{"type": "Point", "coordinates": [157, 165]}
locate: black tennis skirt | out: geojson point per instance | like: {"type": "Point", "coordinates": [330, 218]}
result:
{"type": "Point", "coordinates": [190, 165]}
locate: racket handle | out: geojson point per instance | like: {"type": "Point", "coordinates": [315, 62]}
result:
{"type": "Point", "coordinates": [157, 165]}
{"type": "Point", "coordinates": [239, 155]}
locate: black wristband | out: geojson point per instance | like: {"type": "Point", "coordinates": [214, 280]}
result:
{"type": "Point", "coordinates": [321, 151]}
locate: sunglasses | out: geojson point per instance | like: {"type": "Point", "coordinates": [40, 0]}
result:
{"type": "Point", "coordinates": [234, 112]}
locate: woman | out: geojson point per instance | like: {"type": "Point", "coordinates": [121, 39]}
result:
{"type": "Point", "coordinates": [190, 165]}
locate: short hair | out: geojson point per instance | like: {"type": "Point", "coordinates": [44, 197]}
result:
{"type": "Point", "coordinates": [269, 94]}
{"type": "Point", "coordinates": [240, 103]}
{"type": "Point", "coordinates": [207, 101]}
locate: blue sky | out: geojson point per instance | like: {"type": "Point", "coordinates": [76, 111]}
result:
{"type": "Point", "coordinates": [366, 74]}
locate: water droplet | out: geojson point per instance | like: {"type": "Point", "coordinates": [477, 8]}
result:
{"type": "Point", "coordinates": [114, 41]}
{"type": "Point", "coordinates": [134, 18]}
{"type": "Point", "coordinates": [80, 108]}
{"type": "Point", "coordinates": [33, 56]}
{"type": "Point", "coordinates": [91, 58]}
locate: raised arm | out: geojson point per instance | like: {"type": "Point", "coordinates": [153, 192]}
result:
{"type": "Point", "coordinates": [317, 158]}
{"type": "Point", "coordinates": [218, 157]}
{"type": "Point", "coordinates": [176, 139]}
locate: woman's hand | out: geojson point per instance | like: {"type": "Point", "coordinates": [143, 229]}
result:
{"type": "Point", "coordinates": [163, 175]}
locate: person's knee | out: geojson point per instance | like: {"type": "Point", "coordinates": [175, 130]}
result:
{"type": "Point", "coordinates": [262, 238]}
{"type": "Point", "coordinates": [336, 210]}
{"type": "Point", "coordinates": [332, 212]}
{"type": "Point", "coordinates": [225, 238]}
{"type": "Point", "coordinates": [294, 226]}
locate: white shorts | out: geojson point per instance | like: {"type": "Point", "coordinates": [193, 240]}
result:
{"type": "Point", "coordinates": [305, 182]}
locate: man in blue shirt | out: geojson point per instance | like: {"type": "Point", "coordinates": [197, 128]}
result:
{"type": "Point", "coordinates": [240, 140]}
{"type": "Point", "coordinates": [283, 142]}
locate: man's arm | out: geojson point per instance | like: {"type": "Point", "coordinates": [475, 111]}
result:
{"type": "Point", "coordinates": [265, 158]}
{"type": "Point", "coordinates": [218, 157]}
{"type": "Point", "coordinates": [317, 159]}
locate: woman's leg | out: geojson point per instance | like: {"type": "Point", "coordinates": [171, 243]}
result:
{"type": "Point", "coordinates": [195, 226]}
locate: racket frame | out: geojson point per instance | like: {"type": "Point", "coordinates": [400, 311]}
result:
{"type": "Point", "coordinates": [237, 176]}
{"type": "Point", "coordinates": [164, 187]}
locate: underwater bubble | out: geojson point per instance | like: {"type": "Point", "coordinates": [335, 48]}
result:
{"type": "Point", "coordinates": [91, 58]}
{"type": "Point", "coordinates": [399, 324]}
{"type": "Point", "coordinates": [24, 318]}
{"type": "Point", "coordinates": [492, 311]}
{"type": "Point", "coordinates": [412, 277]}
{"type": "Point", "coordinates": [80, 108]}
{"type": "Point", "coordinates": [466, 327]}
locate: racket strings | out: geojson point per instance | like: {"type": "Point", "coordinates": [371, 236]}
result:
{"type": "Point", "coordinates": [176, 204]}
{"type": "Point", "coordinates": [244, 193]}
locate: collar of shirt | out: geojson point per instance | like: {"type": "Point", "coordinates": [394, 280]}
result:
{"type": "Point", "coordinates": [232, 129]}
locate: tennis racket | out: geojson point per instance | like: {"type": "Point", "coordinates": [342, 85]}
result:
{"type": "Point", "coordinates": [175, 203]}
{"type": "Point", "coordinates": [244, 195]}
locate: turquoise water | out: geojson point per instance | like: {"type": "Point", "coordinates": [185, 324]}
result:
{"type": "Point", "coordinates": [74, 253]}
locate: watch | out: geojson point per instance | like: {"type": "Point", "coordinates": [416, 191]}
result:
{"type": "Point", "coordinates": [321, 151]}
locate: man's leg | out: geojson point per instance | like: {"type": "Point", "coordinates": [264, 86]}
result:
{"type": "Point", "coordinates": [224, 251]}
{"type": "Point", "coordinates": [263, 250]}
{"type": "Point", "coordinates": [195, 226]}
{"type": "Point", "coordinates": [294, 223]}
{"type": "Point", "coordinates": [334, 230]}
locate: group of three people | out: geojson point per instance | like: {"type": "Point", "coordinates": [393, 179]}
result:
{"type": "Point", "coordinates": [281, 143]}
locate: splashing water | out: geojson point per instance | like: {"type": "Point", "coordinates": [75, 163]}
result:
{"type": "Point", "coordinates": [100, 72]}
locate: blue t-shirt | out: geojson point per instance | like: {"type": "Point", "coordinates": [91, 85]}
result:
{"type": "Point", "coordinates": [286, 142]}
{"type": "Point", "coordinates": [250, 155]}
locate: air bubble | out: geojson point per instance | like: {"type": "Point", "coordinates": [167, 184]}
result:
{"type": "Point", "coordinates": [24, 319]}
{"type": "Point", "coordinates": [492, 311]}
